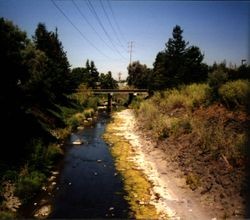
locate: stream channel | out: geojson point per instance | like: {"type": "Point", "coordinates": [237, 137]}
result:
{"type": "Point", "coordinates": [88, 185]}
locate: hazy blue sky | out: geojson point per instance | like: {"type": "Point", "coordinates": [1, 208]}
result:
{"type": "Point", "coordinates": [219, 28]}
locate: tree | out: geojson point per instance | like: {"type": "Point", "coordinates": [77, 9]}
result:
{"type": "Point", "coordinates": [21, 64]}
{"type": "Point", "coordinates": [178, 64]}
{"type": "Point", "coordinates": [78, 75]}
{"type": "Point", "coordinates": [107, 81]}
{"type": "Point", "coordinates": [57, 74]}
{"type": "Point", "coordinates": [139, 75]}
{"type": "Point", "coordinates": [92, 74]}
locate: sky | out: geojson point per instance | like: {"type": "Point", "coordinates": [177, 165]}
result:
{"type": "Point", "coordinates": [113, 32]}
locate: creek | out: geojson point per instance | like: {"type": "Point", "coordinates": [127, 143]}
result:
{"type": "Point", "coordinates": [88, 185]}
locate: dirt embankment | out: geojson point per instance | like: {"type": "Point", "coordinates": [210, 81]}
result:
{"type": "Point", "coordinates": [189, 182]}
{"type": "Point", "coordinates": [209, 178]}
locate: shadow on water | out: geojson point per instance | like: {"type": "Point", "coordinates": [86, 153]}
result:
{"type": "Point", "coordinates": [89, 186]}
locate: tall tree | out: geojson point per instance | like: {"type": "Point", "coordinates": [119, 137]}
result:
{"type": "Point", "coordinates": [92, 73]}
{"type": "Point", "coordinates": [57, 75]}
{"type": "Point", "coordinates": [139, 75]}
{"type": "Point", "coordinates": [178, 63]}
{"type": "Point", "coordinates": [18, 66]}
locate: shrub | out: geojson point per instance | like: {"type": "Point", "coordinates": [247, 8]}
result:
{"type": "Point", "coordinates": [28, 185]}
{"type": "Point", "coordinates": [187, 97]}
{"type": "Point", "coordinates": [11, 175]}
{"type": "Point", "coordinates": [61, 133]}
{"type": "Point", "coordinates": [75, 120]}
{"type": "Point", "coordinates": [54, 152]}
{"type": "Point", "coordinates": [180, 125]}
{"type": "Point", "coordinates": [214, 138]}
{"type": "Point", "coordinates": [148, 113]}
{"type": "Point", "coordinates": [217, 78]}
{"type": "Point", "coordinates": [235, 93]}
{"type": "Point", "coordinates": [193, 181]}
{"type": "Point", "coordinates": [92, 102]}
{"type": "Point", "coordinates": [160, 127]}
{"type": "Point", "coordinates": [4, 215]}
{"type": "Point", "coordinates": [38, 155]}
{"type": "Point", "coordinates": [88, 113]}
{"type": "Point", "coordinates": [136, 102]}
{"type": "Point", "coordinates": [176, 99]}
{"type": "Point", "coordinates": [197, 94]}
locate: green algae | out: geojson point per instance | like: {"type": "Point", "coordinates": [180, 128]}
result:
{"type": "Point", "coordinates": [136, 185]}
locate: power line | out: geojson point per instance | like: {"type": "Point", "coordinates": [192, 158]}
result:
{"type": "Point", "coordinates": [106, 14]}
{"type": "Point", "coordinates": [77, 29]}
{"type": "Point", "coordinates": [84, 17]}
{"type": "Point", "coordinates": [117, 25]}
{"type": "Point", "coordinates": [92, 9]}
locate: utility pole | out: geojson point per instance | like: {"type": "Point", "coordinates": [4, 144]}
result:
{"type": "Point", "coordinates": [119, 77]}
{"type": "Point", "coordinates": [130, 47]}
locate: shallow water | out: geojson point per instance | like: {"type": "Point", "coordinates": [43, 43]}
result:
{"type": "Point", "coordinates": [89, 186]}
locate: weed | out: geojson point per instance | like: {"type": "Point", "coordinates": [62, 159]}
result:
{"type": "Point", "coordinates": [28, 185]}
{"type": "Point", "coordinates": [193, 181]}
{"type": "Point", "coordinates": [235, 93]}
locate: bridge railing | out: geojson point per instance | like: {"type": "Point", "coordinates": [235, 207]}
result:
{"type": "Point", "coordinates": [99, 91]}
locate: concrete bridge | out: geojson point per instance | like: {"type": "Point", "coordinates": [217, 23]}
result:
{"type": "Point", "coordinates": [111, 92]}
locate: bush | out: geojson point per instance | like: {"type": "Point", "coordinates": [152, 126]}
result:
{"type": "Point", "coordinates": [4, 215]}
{"type": "Point", "coordinates": [180, 125]}
{"type": "Point", "coordinates": [235, 93]}
{"type": "Point", "coordinates": [214, 138]}
{"type": "Point", "coordinates": [217, 78]}
{"type": "Point", "coordinates": [92, 102]}
{"type": "Point", "coordinates": [11, 175]}
{"type": "Point", "coordinates": [147, 113]}
{"type": "Point", "coordinates": [187, 97]}
{"type": "Point", "coordinates": [88, 113]}
{"type": "Point", "coordinates": [197, 94]}
{"type": "Point", "coordinates": [28, 185]}
{"type": "Point", "coordinates": [38, 155]}
{"type": "Point", "coordinates": [160, 128]}
{"type": "Point", "coordinates": [175, 99]}
{"type": "Point", "coordinates": [53, 154]}
{"type": "Point", "coordinates": [75, 120]}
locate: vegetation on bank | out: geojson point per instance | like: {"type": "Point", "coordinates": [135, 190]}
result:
{"type": "Point", "coordinates": [174, 112]}
{"type": "Point", "coordinates": [182, 85]}
{"type": "Point", "coordinates": [42, 101]}
{"type": "Point", "coordinates": [136, 184]}
{"type": "Point", "coordinates": [205, 133]}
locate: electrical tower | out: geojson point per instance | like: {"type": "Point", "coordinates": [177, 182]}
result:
{"type": "Point", "coordinates": [130, 47]}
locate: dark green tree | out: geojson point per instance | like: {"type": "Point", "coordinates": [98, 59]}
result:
{"type": "Point", "coordinates": [139, 75]}
{"type": "Point", "coordinates": [92, 73]}
{"type": "Point", "coordinates": [107, 81]}
{"type": "Point", "coordinates": [57, 75]}
{"type": "Point", "coordinates": [178, 64]}
{"type": "Point", "coordinates": [16, 96]}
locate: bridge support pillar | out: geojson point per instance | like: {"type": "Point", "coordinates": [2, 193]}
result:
{"type": "Point", "coordinates": [110, 101]}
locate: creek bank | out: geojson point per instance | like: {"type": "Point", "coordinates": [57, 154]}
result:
{"type": "Point", "coordinates": [216, 176]}
{"type": "Point", "coordinates": [167, 193]}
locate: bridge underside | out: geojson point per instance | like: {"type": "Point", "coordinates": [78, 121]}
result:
{"type": "Point", "coordinates": [111, 92]}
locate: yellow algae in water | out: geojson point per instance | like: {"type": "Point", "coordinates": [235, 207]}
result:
{"type": "Point", "coordinates": [136, 184]}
